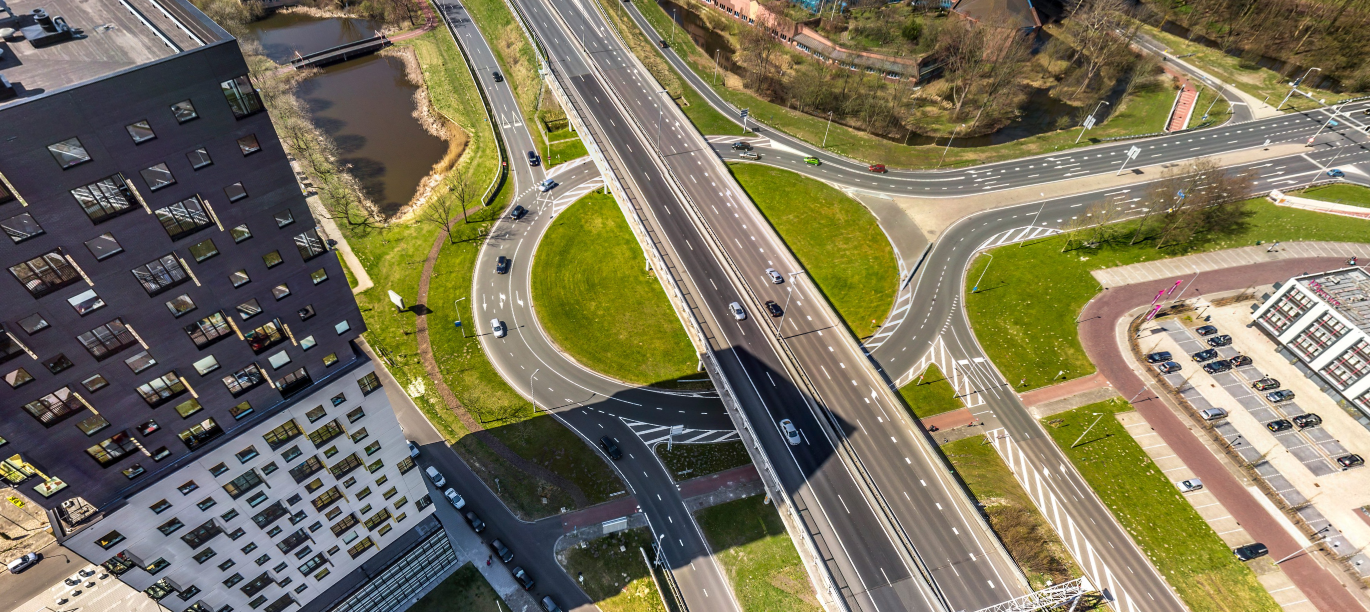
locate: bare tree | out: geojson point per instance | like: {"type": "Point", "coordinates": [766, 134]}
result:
{"type": "Point", "coordinates": [441, 211]}
{"type": "Point", "coordinates": [961, 46]}
{"type": "Point", "coordinates": [1199, 197]}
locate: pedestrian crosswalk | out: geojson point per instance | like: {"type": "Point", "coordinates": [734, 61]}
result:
{"type": "Point", "coordinates": [1018, 234]}
{"type": "Point", "coordinates": [960, 373]}
{"type": "Point", "coordinates": [652, 433]}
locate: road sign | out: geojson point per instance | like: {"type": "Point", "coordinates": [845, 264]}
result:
{"type": "Point", "coordinates": [1134, 152]}
{"type": "Point", "coordinates": [1089, 122]}
{"type": "Point", "coordinates": [676, 430]}
{"type": "Point", "coordinates": [396, 300]}
{"type": "Point", "coordinates": [744, 112]}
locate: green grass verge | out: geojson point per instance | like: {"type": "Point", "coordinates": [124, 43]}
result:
{"type": "Point", "coordinates": [836, 239]}
{"type": "Point", "coordinates": [1354, 195]}
{"type": "Point", "coordinates": [933, 395]}
{"type": "Point", "coordinates": [1031, 542]}
{"type": "Point", "coordinates": [600, 305]}
{"type": "Point", "coordinates": [1194, 560]}
{"type": "Point", "coordinates": [347, 271]}
{"type": "Point", "coordinates": [686, 461]}
{"type": "Point", "coordinates": [763, 566]}
{"type": "Point", "coordinates": [1031, 295]}
{"type": "Point", "coordinates": [616, 580]}
{"type": "Point", "coordinates": [564, 149]}
{"type": "Point", "coordinates": [464, 590]}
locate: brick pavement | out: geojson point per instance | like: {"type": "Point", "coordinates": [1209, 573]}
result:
{"type": "Point", "coordinates": [1074, 386]}
{"type": "Point", "coordinates": [1184, 268]}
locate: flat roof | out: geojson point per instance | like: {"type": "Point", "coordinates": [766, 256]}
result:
{"type": "Point", "coordinates": [110, 36]}
{"type": "Point", "coordinates": [1346, 290]}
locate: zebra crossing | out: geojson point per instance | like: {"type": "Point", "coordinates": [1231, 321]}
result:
{"type": "Point", "coordinates": [955, 370]}
{"type": "Point", "coordinates": [1018, 234]}
{"type": "Point", "coordinates": [569, 197]}
{"type": "Point", "coordinates": [652, 433]}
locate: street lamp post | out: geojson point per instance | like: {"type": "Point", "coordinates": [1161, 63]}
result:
{"type": "Point", "coordinates": [659, 109]}
{"type": "Point", "coordinates": [1294, 86]}
{"type": "Point", "coordinates": [1330, 120]}
{"type": "Point", "coordinates": [976, 288]}
{"type": "Point", "coordinates": [1089, 122]}
{"type": "Point", "coordinates": [789, 293]}
{"type": "Point", "coordinates": [457, 306]}
{"type": "Point", "coordinates": [1086, 431]}
{"type": "Point", "coordinates": [1323, 171]}
{"type": "Point", "coordinates": [1034, 221]}
{"type": "Point", "coordinates": [531, 391]}
{"type": "Point", "coordinates": [948, 147]}
{"type": "Point", "coordinates": [825, 131]}
{"type": "Point", "coordinates": [1306, 547]}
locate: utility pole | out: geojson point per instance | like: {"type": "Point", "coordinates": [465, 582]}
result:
{"type": "Point", "coordinates": [1091, 426]}
{"type": "Point", "coordinates": [1034, 221]}
{"type": "Point", "coordinates": [457, 306]}
{"type": "Point", "coordinates": [976, 288]}
{"type": "Point", "coordinates": [825, 130]}
{"type": "Point", "coordinates": [674, 17]}
{"type": "Point", "coordinates": [948, 147]}
{"type": "Point", "coordinates": [1323, 171]}
{"type": "Point", "coordinates": [1331, 121]}
{"type": "Point", "coordinates": [1294, 86]}
{"type": "Point", "coordinates": [1089, 121]}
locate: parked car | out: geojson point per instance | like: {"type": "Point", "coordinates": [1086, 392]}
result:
{"type": "Point", "coordinates": [1239, 361]}
{"type": "Point", "coordinates": [1304, 421]}
{"type": "Point", "coordinates": [413, 451]}
{"type": "Point", "coordinates": [502, 265]}
{"type": "Point", "coordinates": [813, 161]}
{"type": "Point", "coordinates": [22, 563]}
{"type": "Point", "coordinates": [1158, 357]}
{"type": "Point", "coordinates": [1213, 367]}
{"type": "Point", "coordinates": [547, 185]}
{"type": "Point", "coordinates": [749, 155]}
{"type": "Point", "coordinates": [1212, 414]}
{"type": "Point", "coordinates": [1193, 484]}
{"type": "Point", "coordinates": [497, 328]}
{"type": "Point", "coordinates": [877, 168]}
{"type": "Point", "coordinates": [501, 550]}
{"type": "Point", "coordinates": [499, 78]}
{"type": "Point", "coordinates": [1349, 461]}
{"type": "Point", "coordinates": [775, 276]}
{"type": "Point", "coordinates": [1279, 425]}
{"type": "Point", "coordinates": [1283, 395]}
{"type": "Point", "coordinates": [524, 579]}
{"type": "Point", "coordinates": [610, 447]}
{"type": "Point", "coordinates": [533, 158]}
{"type": "Point", "coordinates": [1336, 173]}
{"type": "Point", "coordinates": [1205, 355]}
{"type": "Point", "coordinates": [1168, 367]}
{"type": "Point", "coordinates": [518, 212]}
{"type": "Point", "coordinates": [738, 312]}
{"type": "Point", "coordinates": [791, 433]}
{"type": "Point", "coordinates": [774, 308]}
{"type": "Point", "coordinates": [1222, 340]}
{"type": "Point", "coordinates": [1250, 551]}
{"type": "Point", "coordinates": [742, 145]}
{"type": "Point", "coordinates": [1266, 384]}
{"type": "Point", "coordinates": [455, 498]}
{"type": "Point", "coordinates": [435, 476]}
{"type": "Point", "coordinates": [1206, 330]}
{"type": "Point", "coordinates": [477, 525]}
{"type": "Point", "coordinates": [548, 605]}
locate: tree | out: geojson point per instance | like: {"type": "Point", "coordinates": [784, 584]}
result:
{"type": "Point", "coordinates": [1196, 198]}
{"type": "Point", "coordinates": [442, 209]}
{"type": "Point", "coordinates": [961, 46]}
{"type": "Point", "coordinates": [912, 30]}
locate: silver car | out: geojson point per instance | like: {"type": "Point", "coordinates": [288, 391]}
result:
{"type": "Point", "coordinates": [791, 433]}
{"type": "Point", "coordinates": [497, 328]}
{"type": "Point", "coordinates": [738, 312]}
{"type": "Point", "coordinates": [775, 276]}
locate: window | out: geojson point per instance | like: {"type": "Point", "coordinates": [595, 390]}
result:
{"type": "Point", "coordinates": [33, 323]}
{"type": "Point", "coordinates": [293, 382]}
{"type": "Point", "coordinates": [180, 304]}
{"type": "Point", "coordinates": [347, 484]}
{"type": "Point", "coordinates": [140, 131]}
{"type": "Point", "coordinates": [92, 424]}
{"type": "Point", "coordinates": [313, 485]}
{"type": "Point", "coordinates": [249, 309]}
{"type": "Point", "coordinates": [310, 244]}
{"type": "Point", "coordinates": [406, 464]}
{"type": "Point", "coordinates": [377, 519]}
{"type": "Point", "coordinates": [187, 487]}
{"type": "Point", "coordinates": [388, 494]}
{"type": "Point", "coordinates": [45, 273]}
{"type": "Point", "coordinates": [241, 381]}
{"type": "Point", "coordinates": [257, 500]}
{"type": "Point", "coordinates": [69, 153]}
{"type": "Point", "coordinates": [112, 449]}
{"type": "Point", "coordinates": [269, 468]}
{"type": "Point", "coordinates": [306, 313]}
{"type": "Point", "coordinates": [157, 566]}
{"type": "Point", "coordinates": [292, 541]}
{"type": "Point", "coordinates": [307, 343]}
{"type": "Point", "coordinates": [359, 435]}
{"type": "Point", "coordinates": [142, 361]}
{"type": "Point", "coordinates": [242, 97]}
{"type": "Point", "coordinates": [54, 406]}
{"type": "Point", "coordinates": [228, 516]}
{"type": "Point", "coordinates": [360, 547]}
{"type": "Point", "coordinates": [313, 563]}
{"type": "Point", "coordinates": [241, 485]}
{"type": "Point", "coordinates": [273, 532]}
{"type": "Point", "coordinates": [158, 390]}
{"type": "Point", "coordinates": [372, 448]}
{"type": "Point", "coordinates": [157, 177]}
{"type": "Point", "coordinates": [206, 503]}
{"type": "Point", "coordinates": [378, 464]}
{"type": "Point", "coordinates": [247, 454]}
{"type": "Point", "coordinates": [170, 526]}
{"type": "Point", "coordinates": [284, 218]}
{"type": "Point", "coordinates": [104, 246]}
{"type": "Point", "coordinates": [160, 274]}
{"type": "Point", "coordinates": [315, 526]}
{"type": "Point", "coordinates": [323, 434]}
{"type": "Point", "coordinates": [316, 413]}
{"type": "Point", "coordinates": [85, 302]}
{"type": "Point", "coordinates": [95, 383]}
{"type": "Point", "coordinates": [21, 227]}
{"type": "Point", "coordinates": [187, 594]}
{"type": "Point", "coordinates": [342, 327]}
{"type": "Point", "coordinates": [240, 233]}
{"type": "Point", "coordinates": [184, 111]}
{"type": "Point", "coordinates": [318, 276]}
{"type": "Point", "coordinates": [241, 410]}
{"type": "Point", "coordinates": [223, 567]}
{"type": "Point", "coordinates": [203, 250]}
{"type": "Point", "coordinates": [106, 340]}
{"type": "Point", "coordinates": [160, 453]}
{"type": "Point", "coordinates": [110, 540]}
{"type": "Point", "coordinates": [330, 359]}
{"type": "Point", "coordinates": [184, 218]}
{"type": "Point", "coordinates": [235, 192]}
{"type": "Point", "coordinates": [271, 514]}
{"type": "Point", "coordinates": [369, 383]}
{"type": "Point", "coordinates": [248, 144]}
{"type": "Point", "coordinates": [292, 453]}
{"type": "Point", "coordinates": [236, 533]}
{"type": "Point", "coordinates": [232, 580]}
{"type": "Point", "coordinates": [272, 259]}
{"type": "Point", "coordinates": [200, 433]}
{"type": "Point", "coordinates": [133, 472]}
{"type": "Point", "coordinates": [206, 365]}
{"type": "Point", "coordinates": [364, 493]}
{"type": "Point", "coordinates": [209, 330]}
{"type": "Point", "coordinates": [423, 502]}
{"type": "Point", "coordinates": [348, 463]}
{"type": "Point", "coordinates": [298, 517]}
{"type": "Point", "coordinates": [280, 291]}
{"type": "Point", "coordinates": [306, 469]}
{"type": "Point", "coordinates": [326, 499]}
{"type": "Point", "coordinates": [57, 364]}
{"type": "Point", "coordinates": [239, 278]}
{"type": "Point", "coordinates": [202, 534]}
{"type": "Point", "coordinates": [18, 378]}
{"type": "Point", "coordinates": [279, 436]}
{"type": "Point", "coordinates": [199, 158]}
{"type": "Point", "coordinates": [105, 199]}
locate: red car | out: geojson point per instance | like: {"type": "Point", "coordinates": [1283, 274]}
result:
{"type": "Point", "coordinates": [877, 168]}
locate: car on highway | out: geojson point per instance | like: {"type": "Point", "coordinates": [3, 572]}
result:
{"type": "Point", "coordinates": [533, 158]}
{"type": "Point", "coordinates": [775, 276]}
{"type": "Point", "coordinates": [548, 604]}
{"type": "Point", "coordinates": [499, 78]}
{"type": "Point", "coordinates": [748, 155]}
{"type": "Point", "coordinates": [1212, 414]}
{"type": "Point", "coordinates": [477, 525]}
{"type": "Point", "coordinates": [1207, 330]}
{"type": "Point", "coordinates": [737, 311]}
{"type": "Point", "coordinates": [611, 447]}
{"type": "Point", "coordinates": [1250, 551]}
{"type": "Point", "coordinates": [813, 161]}
{"type": "Point", "coordinates": [1168, 367]}
{"type": "Point", "coordinates": [1205, 355]}
{"type": "Point", "coordinates": [1193, 484]}
{"type": "Point", "coordinates": [661, 42]}
{"type": "Point", "coordinates": [1304, 421]}
{"type": "Point", "coordinates": [524, 579]}
{"type": "Point", "coordinates": [455, 498]}
{"type": "Point", "coordinates": [1239, 361]}
{"type": "Point", "coordinates": [1349, 461]}
{"type": "Point", "coordinates": [435, 476]}
{"type": "Point", "coordinates": [502, 265]}
{"type": "Point", "coordinates": [518, 212]}
{"type": "Point", "coordinates": [1266, 384]}
{"type": "Point", "coordinates": [774, 308]}
{"type": "Point", "coordinates": [1213, 367]}
{"type": "Point", "coordinates": [501, 550]}
{"type": "Point", "coordinates": [413, 451]}
{"type": "Point", "coordinates": [1336, 173]}
{"type": "Point", "coordinates": [1222, 340]}
{"type": "Point", "coordinates": [1283, 395]}
{"type": "Point", "coordinates": [1158, 357]}
{"type": "Point", "coordinates": [497, 328]}
{"type": "Point", "coordinates": [742, 145]}
{"type": "Point", "coordinates": [880, 168]}
{"type": "Point", "coordinates": [22, 563]}
{"type": "Point", "coordinates": [547, 185]}
{"type": "Point", "coordinates": [791, 433]}
{"type": "Point", "coordinates": [1279, 425]}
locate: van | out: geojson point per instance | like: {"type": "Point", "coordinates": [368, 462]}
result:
{"type": "Point", "coordinates": [1213, 414]}
{"type": "Point", "coordinates": [435, 476]}
{"type": "Point", "coordinates": [22, 563]}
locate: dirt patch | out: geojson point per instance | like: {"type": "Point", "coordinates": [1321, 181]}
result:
{"type": "Point", "coordinates": [793, 581]}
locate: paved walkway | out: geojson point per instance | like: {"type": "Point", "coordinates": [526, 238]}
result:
{"type": "Point", "coordinates": [1188, 266]}
{"type": "Point", "coordinates": [1060, 391]}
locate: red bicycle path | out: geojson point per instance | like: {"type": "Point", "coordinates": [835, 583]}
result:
{"type": "Point", "coordinates": [1098, 335]}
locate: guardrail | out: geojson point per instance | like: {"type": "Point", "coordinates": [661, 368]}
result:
{"type": "Point", "coordinates": [489, 197]}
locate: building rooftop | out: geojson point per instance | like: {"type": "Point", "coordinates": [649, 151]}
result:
{"type": "Point", "coordinates": [1346, 290]}
{"type": "Point", "coordinates": [74, 41]}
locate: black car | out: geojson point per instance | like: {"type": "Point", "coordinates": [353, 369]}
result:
{"type": "Point", "coordinates": [1207, 330]}
{"type": "Point", "coordinates": [549, 605]}
{"type": "Point", "coordinates": [1350, 461]}
{"type": "Point", "coordinates": [477, 525]}
{"type": "Point", "coordinates": [501, 550]}
{"type": "Point", "coordinates": [1266, 384]}
{"type": "Point", "coordinates": [502, 265]}
{"type": "Point", "coordinates": [1250, 551]}
{"type": "Point", "coordinates": [1279, 425]}
{"type": "Point", "coordinates": [518, 212]}
{"type": "Point", "coordinates": [1213, 367]}
{"type": "Point", "coordinates": [742, 146]}
{"type": "Point", "coordinates": [1205, 355]}
{"type": "Point", "coordinates": [774, 308]}
{"type": "Point", "coordinates": [499, 78]}
{"type": "Point", "coordinates": [533, 158]}
{"type": "Point", "coordinates": [1158, 357]}
{"type": "Point", "coordinates": [1239, 361]}
{"type": "Point", "coordinates": [610, 447]}
{"type": "Point", "coordinates": [524, 579]}
{"type": "Point", "coordinates": [1222, 340]}
{"type": "Point", "coordinates": [1304, 421]}
{"type": "Point", "coordinates": [1283, 395]}
{"type": "Point", "coordinates": [1168, 367]}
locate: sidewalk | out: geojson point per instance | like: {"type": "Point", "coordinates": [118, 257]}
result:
{"type": "Point", "coordinates": [1189, 266]}
{"type": "Point", "coordinates": [1064, 390]}
{"type": "Point", "coordinates": [331, 232]}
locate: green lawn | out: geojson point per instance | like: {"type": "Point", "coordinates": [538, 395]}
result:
{"type": "Point", "coordinates": [763, 566]}
{"type": "Point", "coordinates": [933, 395]}
{"type": "Point", "coordinates": [595, 298]}
{"type": "Point", "coordinates": [686, 461]}
{"type": "Point", "coordinates": [1030, 296]}
{"type": "Point", "coordinates": [465, 590]}
{"type": "Point", "coordinates": [1341, 193]}
{"type": "Point", "coordinates": [617, 580]}
{"type": "Point", "coordinates": [1168, 529]}
{"type": "Point", "coordinates": [1030, 540]}
{"type": "Point", "coordinates": [835, 238]}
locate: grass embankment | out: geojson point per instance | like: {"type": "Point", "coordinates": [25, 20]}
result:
{"type": "Point", "coordinates": [1354, 195]}
{"type": "Point", "coordinates": [394, 258]}
{"type": "Point", "coordinates": [464, 590]}
{"type": "Point", "coordinates": [1179, 543]}
{"type": "Point", "coordinates": [598, 302]}
{"type": "Point", "coordinates": [933, 395]}
{"type": "Point", "coordinates": [1145, 112]}
{"type": "Point", "coordinates": [616, 580]}
{"type": "Point", "coordinates": [763, 566]}
{"type": "Point", "coordinates": [1031, 295]}
{"type": "Point", "coordinates": [686, 461]}
{"type": "Point", "coordinates": [836, 239]}
{"type": "Point", "coordinates": [1030, 540]}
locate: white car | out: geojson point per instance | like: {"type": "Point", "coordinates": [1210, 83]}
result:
{"type": "Point", "coordinates": [791, 433]}
{"type": "Point", "coordinates": [457, 501]}
{"type": "Point", "coordinates": [413, 450]}
{"type": "Point", "coordinates": [775, 276]}
{"type": "Point", "coordinates": [1189, 486]}
{"type": "Point", "coordinates": [738, 312]}
{"type": "Point", "coordinates": [22, 563]}
{"type": "Point", "coordinates": [497, 328]}
{"type": "Point", "coordinates": [435, 476]}
{"type": "Point", "coordinates": [547, 185]}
